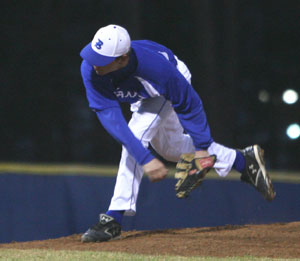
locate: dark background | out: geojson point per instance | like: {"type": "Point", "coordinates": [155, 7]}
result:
{"type": "Point", "coordinates": [234, 49]}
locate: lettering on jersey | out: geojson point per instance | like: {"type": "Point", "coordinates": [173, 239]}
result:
{"type": "Point", "coordinates": [99, 44]}
{"type": "Point", "coordinates": [127, 94]}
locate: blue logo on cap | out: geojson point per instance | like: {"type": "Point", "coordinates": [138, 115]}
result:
{"type": "Point", "coordinates": [99, 44]}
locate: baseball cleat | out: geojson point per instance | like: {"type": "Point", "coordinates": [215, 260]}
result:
{"type": "Point", "coordinates": [106, 229]}
{"type": "Point", "coordinates": [255, 172]}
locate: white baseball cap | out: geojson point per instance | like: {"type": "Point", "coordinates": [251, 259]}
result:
{"type": "Point", "coordinates": [108, 43]}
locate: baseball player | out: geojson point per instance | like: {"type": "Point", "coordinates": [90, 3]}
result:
{"type": "Point", "coordinates": [167, 113]}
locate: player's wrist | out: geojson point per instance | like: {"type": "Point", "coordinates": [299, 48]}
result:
{"type": "Point", "coordinates": [201, 153]}
{"type": "Point", "coordinates": [148, 157]}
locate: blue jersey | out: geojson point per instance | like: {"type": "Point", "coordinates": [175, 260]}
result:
{"type": "Point", "coordinates": [151, 72]}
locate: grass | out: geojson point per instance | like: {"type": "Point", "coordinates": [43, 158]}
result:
{"type": "Point", "coordinates": [36, 254]}
{"type": "Point", "coordinates": [111, 171]}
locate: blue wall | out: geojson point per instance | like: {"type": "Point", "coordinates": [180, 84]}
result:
{"type": "Point", "coordinates": [34, 207]}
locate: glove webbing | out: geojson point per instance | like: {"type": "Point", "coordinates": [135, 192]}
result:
{"type": "Point", "coordinates": [191, 171]}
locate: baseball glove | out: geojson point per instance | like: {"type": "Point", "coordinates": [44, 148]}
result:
{"type": "Point", "coordinates": [191, 171]}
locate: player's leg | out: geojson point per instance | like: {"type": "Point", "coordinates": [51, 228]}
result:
{"type": "Point", "coordinates": [249, 161]}
{"type": "Point", "coordinates": [170, 142]}
{"type": "Point", "coordinates": [144, 124]}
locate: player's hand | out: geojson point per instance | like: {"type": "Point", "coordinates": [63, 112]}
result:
{"type": "Point", "coordinates": [201, 154]}
{"type": "Point", "coordinates": [155, 170]}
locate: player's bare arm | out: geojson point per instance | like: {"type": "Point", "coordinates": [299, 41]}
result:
{"type": "Point", "coordinates": [201, 154]}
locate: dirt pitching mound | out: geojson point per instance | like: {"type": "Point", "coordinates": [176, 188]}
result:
{"type": "Point", "coordinates": [281, 240]}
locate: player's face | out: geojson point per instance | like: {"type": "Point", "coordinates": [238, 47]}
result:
{"type": "Point", "coordinates": [102, 70]}
{"type": "Point", "coordinates": [111, 67]}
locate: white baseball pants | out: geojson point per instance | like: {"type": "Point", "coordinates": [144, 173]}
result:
{"type": "Point", "coordinates": [155, 121]}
